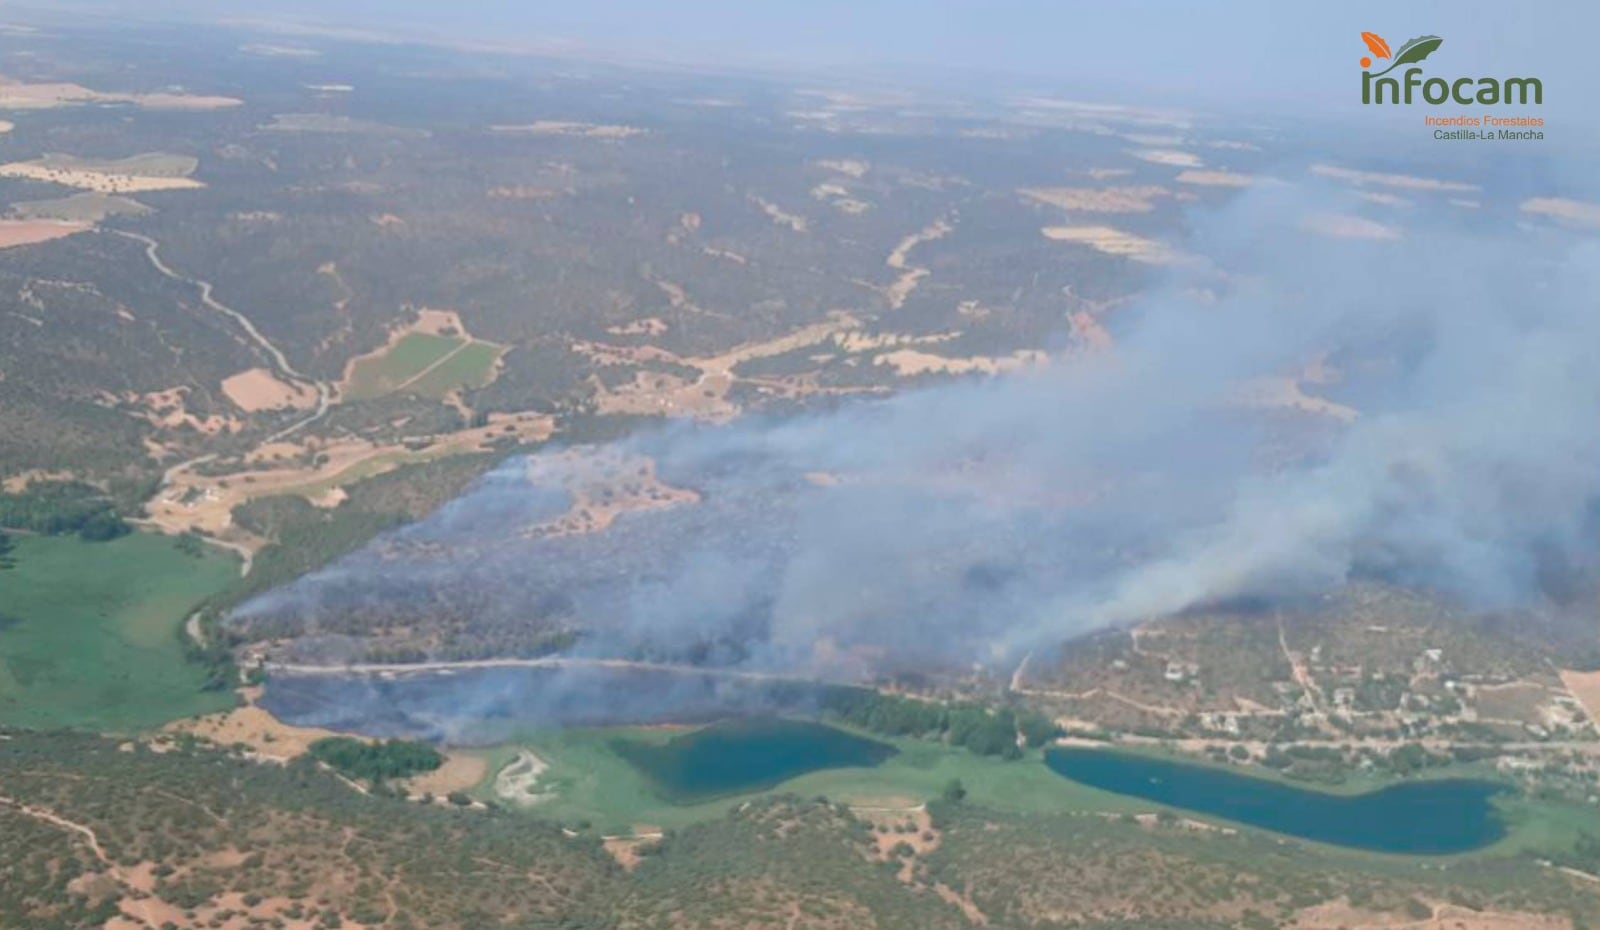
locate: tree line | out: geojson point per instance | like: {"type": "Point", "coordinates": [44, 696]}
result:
{"type": "Point", "coordinates": [59, 508]}
{"type": "Point", "coordinates": [1002, 731]}
{"type": "Point", "coordinates": [376, 762]}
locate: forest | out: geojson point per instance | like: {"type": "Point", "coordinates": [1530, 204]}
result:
{"type": "Point", "coordinates": [57, 508]}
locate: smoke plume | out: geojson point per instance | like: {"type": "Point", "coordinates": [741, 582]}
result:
{"type": "Point", "coordinates": [1286, 410]}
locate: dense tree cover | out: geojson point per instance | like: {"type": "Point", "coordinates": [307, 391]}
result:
{"type": "Point", "coordinates": [213, 650]}
{"type": "Point", "coordinates": [311, 842]}
{"type": "Point", "coordinates": [376, 762]}
{"type": "Point", "coordinates": [1011, 865]}
{"type": "Point", "coordinates": [7, 560]}
{"type": "Point", "coordinates": [984, 731]}
{"type": "Point", "coordinates": [56, 508]}
{"type": "Point", "coordinates": [329, 854]}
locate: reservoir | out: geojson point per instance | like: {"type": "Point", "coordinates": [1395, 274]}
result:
{"type": "Point", "coordinates": [740, 756]}
{"type": "Point", "coordinates": [1429, 817]}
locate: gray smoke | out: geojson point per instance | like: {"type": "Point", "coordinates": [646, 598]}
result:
{"type": "Point", "coordinates": [972, 521]}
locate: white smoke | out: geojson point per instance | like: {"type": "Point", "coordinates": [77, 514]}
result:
{"type": "Point", "coordinates": [980, 518]}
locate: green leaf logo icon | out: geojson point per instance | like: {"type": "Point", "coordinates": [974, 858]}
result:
{"type": "Point", "coordinates": [1413, 52]}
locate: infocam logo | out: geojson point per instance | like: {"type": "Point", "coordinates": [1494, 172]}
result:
{"type": "Point", "coordinates": [1375, 88]}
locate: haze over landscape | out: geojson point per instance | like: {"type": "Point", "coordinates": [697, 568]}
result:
{"type": "Point", "coordinates": [1105, 488]}
{"type": "Point", "coordinates": [717, 465]}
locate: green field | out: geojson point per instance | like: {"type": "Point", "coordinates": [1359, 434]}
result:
{"type": "Point", "coordinates": [592, 783]}
{"type": "Point", "coordinates": [90, 632]}
{"type": "Point", "coordinates": [147, 164]}
{"type": "Point", "coordinates": [409, 365]}
{"type": "Point", "coordinates": [471, 368]}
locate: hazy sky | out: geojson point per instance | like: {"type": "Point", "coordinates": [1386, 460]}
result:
{"type": "Point", "coordinates": [1246, 50]}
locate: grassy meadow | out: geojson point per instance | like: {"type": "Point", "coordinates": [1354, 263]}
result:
{"type": "Point", "coordinates": [589, 784]}
{"type": "Point", "coordinates": [424, 364]}
{"type": "Point", "coordinates": [592, 783]}
{"type": "Point", "coordinates": [89, 632]}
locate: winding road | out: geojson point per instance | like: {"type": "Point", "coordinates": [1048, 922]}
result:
{"type": "Point", "coordinates": [280, 362]}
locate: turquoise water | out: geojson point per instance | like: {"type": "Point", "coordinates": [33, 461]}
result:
{"type": "Point", "coordinates": [1421, 817]}
{"type": "Point", "coordinates": [745, 755]}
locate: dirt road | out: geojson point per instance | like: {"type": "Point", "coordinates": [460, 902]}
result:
{"type": "Point", "coordinates": [413, 668]}
{"type": "Point", "coordinates": [278, 359]}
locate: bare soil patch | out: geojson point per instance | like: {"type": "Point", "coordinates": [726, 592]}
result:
{"type": "Point", "coordinates": [649, 326]}
{"type": "Point", "coordinates": [1341, 914]}
{"type": "Point", "coordinates": [1098, 199]}
{"type": "Point", "coordinates": [705, 396]}
{"type": "Point", "coordinates": [105, 182]}
{"type": "Point", "coordinates": [266, 735]}
{"type": "Point", "coordinates": [1216, 178]}
{"type": "Point", "coordinates": [1579, 212]}
{"type": "Point", "coordinates": [1289, 394]}
{"type": "Point", "coordinates": [780, 216]}
{"type": "Point", "coordinates": [603, 485]}
{"type": "Point", "coordinates": [909, 363]}
{"type": "Point", "coordinates": [555, 127]}
{"type": "Point", "coordinates": [902, 287]}
{"type": "Point", "coordinates": [27, 232]}
{"type": "Point", "coordinates": [1402, 181]}
{"type": "Point", "coordinates": [1585, 686]}
{"type": "Point", "coordinates": [1112, 241]}
{"type": "Point", "coordinates": [1345, 226]}
{"type": "Point", "coordinates": [854, 167]}
{"type": "Point", "coordinates": [168, 409]}
{"type": "Point", "coordinates": [1171, 157]}
{"type": "Point", "coordinates": [259, 389]}
{"type": "Point", "coordinates": [21, 95]}
{"type": "Point", "coordinates": [461, 771]}
{"type": "Point", "coordinates": [19, 482]}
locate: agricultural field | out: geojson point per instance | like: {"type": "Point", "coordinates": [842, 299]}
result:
{"type": "Point", "coordinates": [84, 207]}
{"type": "Point", "coordinates": [424, 364]}
{"type": "Point", "coordinates": [153, 171]}
{"type": "Point", "coordinates": [90, 632]}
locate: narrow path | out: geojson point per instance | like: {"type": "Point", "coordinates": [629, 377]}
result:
{"type": "Point", "coordinates": [135, 899]}
{"type": "Point", "coordinates": [246, 557]}
{"type": "Point", "coordinates": [1302, 675]}
{"type": "Point", "coordinates": [1018, 677]}
{"type": "Point", "coordinates": [39, 813]}
{"type": "Point", "coordinates": [863, 809]}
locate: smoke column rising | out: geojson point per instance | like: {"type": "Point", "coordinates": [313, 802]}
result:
{"type": "Point", "coordinates": [972, 521]}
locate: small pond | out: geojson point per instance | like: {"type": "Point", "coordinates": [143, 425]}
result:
{"type": "Point", "coordinates": [739, 756]}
